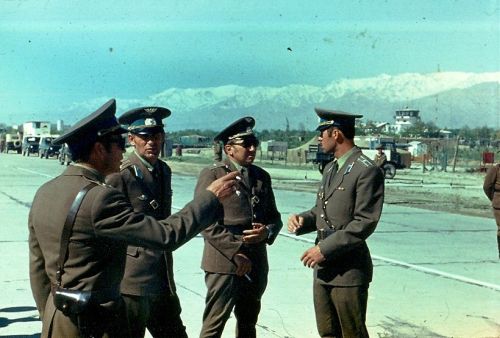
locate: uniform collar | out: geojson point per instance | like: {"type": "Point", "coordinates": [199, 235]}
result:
{"type": "Point", "coordinates": [91, 172]}
{"type": "Point", "coordinates": [148, 165]}
{"type": "Point", "coordinates": [235, 164]}
{"type": "Point", "coordinates": [343, 159]}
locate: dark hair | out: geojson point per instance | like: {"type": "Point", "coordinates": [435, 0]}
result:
{"type": "Point", "coordinates": [80, 152]}
{"type": "Point", "coordinates": [348, 131]}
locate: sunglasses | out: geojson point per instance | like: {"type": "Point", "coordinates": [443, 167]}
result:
{"type": "Point", "coordinates": [247, 142]}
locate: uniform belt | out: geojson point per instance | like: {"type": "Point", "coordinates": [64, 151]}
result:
{"type": "Point", "coordinates": [324, 233]}
{"type": "Point", "coordinates": [237, 229]}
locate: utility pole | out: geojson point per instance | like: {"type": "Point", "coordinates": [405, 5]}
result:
{"type": "Point", "coordinates": [456, 153]}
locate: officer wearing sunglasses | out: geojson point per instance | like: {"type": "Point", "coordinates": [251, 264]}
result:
{"type": "Point", "coordinates": [234, 256]}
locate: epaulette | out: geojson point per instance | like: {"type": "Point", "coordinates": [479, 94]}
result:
{"type": "Point", "coordinates": [125, 164]}
{"type": "Point", "coordinates": [365, 160]}
{"type": "Point", "coordinates": [102, 184]}
{"type": "Point", "coordinates": [218, 165]}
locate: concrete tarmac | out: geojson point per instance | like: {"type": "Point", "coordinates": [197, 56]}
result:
{"type": "Point", "coordinates": [436, 274]}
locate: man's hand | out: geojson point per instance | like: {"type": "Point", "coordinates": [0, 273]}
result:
{"type": "Point", "coordinates": [224, 186]}
{"type": "Point", "coordinates": [258, 234]}
{"type": "Point", "coordinates": [243, 264]}
{"type": "Point", "coordinates": [295, 222]}
{"type": "Point", "coordinates": [312, 257]}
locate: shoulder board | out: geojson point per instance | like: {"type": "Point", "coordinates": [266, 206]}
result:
{"type": "Point", "coordinates": [365, 161]}
{"type": "Point", "coordinates": [102, 184]}
{"type": "Point", "coordinates": [218, 165]}
{"type": "Point", "coordinates": [125, 164]}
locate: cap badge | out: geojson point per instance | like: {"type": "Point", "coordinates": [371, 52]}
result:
{"type": "Point", "coordinates": [149, 122]}
{"type": "Point", "coordinates": [150, 110]}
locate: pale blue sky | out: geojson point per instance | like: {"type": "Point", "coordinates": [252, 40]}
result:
{"type": "Point", "coordinates": [55, 53]}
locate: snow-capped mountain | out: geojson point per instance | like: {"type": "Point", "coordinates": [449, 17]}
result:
{"type": "Point", "coordinates": [450, 99]}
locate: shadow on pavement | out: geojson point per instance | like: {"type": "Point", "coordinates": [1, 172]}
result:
{"type": "Point", "coordinates": [4, 322]}
{"type": "Point", "coordinates": [397, 328]}
{"type": "Point", "coordinates": [18, 309]}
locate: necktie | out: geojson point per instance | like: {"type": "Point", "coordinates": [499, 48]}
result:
{"type": "Point", "coordinates": [332, 172]}
{"type": "Point", "coordinates": [154, 173]}
{"type": "Point", "coordinates": [244, 176]}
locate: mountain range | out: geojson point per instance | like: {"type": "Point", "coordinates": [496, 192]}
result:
{"type": "Point", "coordinates": [449, 99]}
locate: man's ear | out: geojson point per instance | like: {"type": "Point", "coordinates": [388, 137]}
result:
{"type": "Point", "coordinates": [227, 148]}
{"type": "Point", "coordinates": [339, 135]}
{"type": "Point", "coordinates": [99, 148]}
{"type": "Point", "coordinates": [131, 139]}
{"type": "Point", "coordinates": [97, 152]}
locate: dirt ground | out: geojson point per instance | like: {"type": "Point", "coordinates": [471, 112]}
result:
{"type": "Point", "coordinates": [459, 192]}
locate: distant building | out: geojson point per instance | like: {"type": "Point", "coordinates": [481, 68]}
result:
{"type": "Point", "coordinates": [417, 148]}
{"type": "Point", "coordinates": [404, 119]}
{"type": "Point", "coordinates": [60, 125]}
{"type": "Point", "coordinates": [195, 141]}
{"type": "Point", "coordinates": [36, 128]}
{"type": "Point", "coordinates": [445, 133]}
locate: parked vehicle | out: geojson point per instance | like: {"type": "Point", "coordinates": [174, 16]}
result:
{"type": "Point", "coordinates": [316, 155]}
{"type": "Point", "coordinates": [30, 145]}
{"type": "Point", "coordinates": [47, 149]}
{"type": "Point", "coordinates": [12, 142]}
{"type": "Point", "coordinates": [395, 160]}
{"type": "Point", "coordinates": [64, 155]}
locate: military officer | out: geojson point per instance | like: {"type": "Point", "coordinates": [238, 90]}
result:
{"type": "Point", "coordinates": [348, 208]}
{"type": "Point", "coordinates": [234, 255]}
{"type": "Point", "coordinates": [491, 187]}
{"type": "Point", "coordinates": [98, 225]}
{"type": "Point", "coordinates": [380, 157]}
{"type": "Point", "coordinates": [217, 151]}
{"type": "Point", "coordinates": [148, 286]}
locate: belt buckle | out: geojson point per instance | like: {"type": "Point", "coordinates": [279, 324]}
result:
{"type": "Point", "coordinates": [155, 205]}
{"type": "Point", "coordinates": [255, 199]}
{"type": "Point", "coordinates": [321, 234]}
{"type": "Point", "coordinates": [324, 233]}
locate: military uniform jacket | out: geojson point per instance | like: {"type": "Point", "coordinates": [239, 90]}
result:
{"type": "Point", "coordinates": [491, 186]}
{"type": "Point", "coordinates": [351, 203]}
{"type": "Point", "coordinates": [380, 159]}
{"type": "Point", "coordinates": [147, 271]}
{"type": "Point", "coordinates": [104, 225]}
{"type": "Point", "coordinates": [223, 238]}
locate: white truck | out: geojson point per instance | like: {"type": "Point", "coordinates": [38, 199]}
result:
{"type": "Point", "coordinates": [36, 128]}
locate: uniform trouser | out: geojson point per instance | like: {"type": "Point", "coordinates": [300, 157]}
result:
{"type": "Point", "coordinates": [160, 314]}
{"type": "Point", "coordinates": [496, 212]}
{"type": "Point", "coordinates": [340, 311]}
{"type": "Point", "coordinates": [225, 292]}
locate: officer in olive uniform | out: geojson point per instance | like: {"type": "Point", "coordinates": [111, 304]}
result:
{"type": "Point", "coordinates": [380, 157]}
{"type": "Point", "coordinates": [217, 151]}
{"type": "Point", "coordinates": [235, 256]}
{"type": "Point", "coordinates": [104, 224]}
{"type": "Point", "coordinates": [491, 187]}
{"type": "Point", "coordinates": [148, 286]}
{"type": "Point", "coordinates": [348, 208]}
